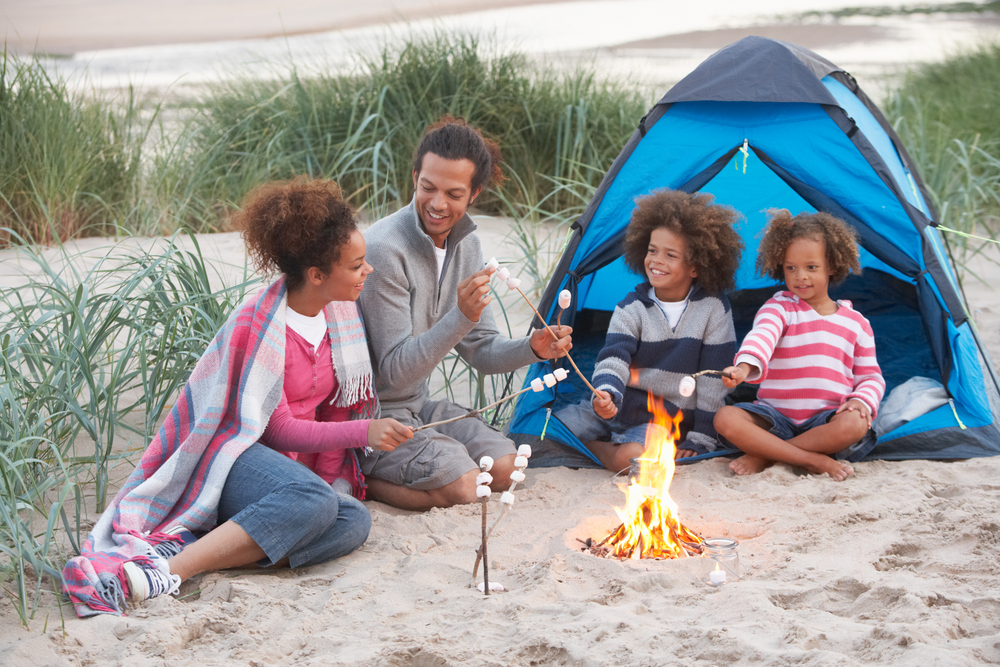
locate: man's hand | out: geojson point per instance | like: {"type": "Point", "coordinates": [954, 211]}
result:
{"type": "Point", "coordinates": [474, 294]}
{"type": "Point", "coordinates": [604, 406]}
{"type": "Point", "coordinates": [387, 434]}
{"type": "Point", "coordinates": [545, 347]}
{"type": "Point", "coordinates": [737, 374]}
{"type": "Point", "coordinates": [855, 405]}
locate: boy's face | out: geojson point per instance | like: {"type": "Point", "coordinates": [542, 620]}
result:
{"type": "Point", "coordinates": [443, 192]}
{"type": "Point", "coordinates": [667, 266]}
{"type": "Point", "coordinates": [807, 274]}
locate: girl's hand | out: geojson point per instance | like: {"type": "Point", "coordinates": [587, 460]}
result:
{"type": "Point", "coordinates": [387, 434]}
{"type": "Point", "coordinates": [604, 406]}
{"type": "Point", "coordinates": [855, 405]}
{"type": "Point", "coordinates": [737, 374]}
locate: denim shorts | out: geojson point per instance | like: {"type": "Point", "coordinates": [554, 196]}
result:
{"type": "Point", "coordinates": [786, 429]}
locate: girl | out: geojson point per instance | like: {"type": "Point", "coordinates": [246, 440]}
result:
{"type": "Point", "coordinates": [292, 359]}
{"type": "Point", "coordinates": [675, 323]}
{"type": "Point", "coordinates": [814, 358]}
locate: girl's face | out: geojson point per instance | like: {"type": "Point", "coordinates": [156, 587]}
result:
{"type": "Point", "coordinates": [347, 276]}
{"type": "Point", "coordinates": [807, 274]}
{"type": "Point", "coordinates": [667, 267]}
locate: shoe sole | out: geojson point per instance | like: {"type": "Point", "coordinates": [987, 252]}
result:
{"type": "Point", "coordinates": [138, 585]}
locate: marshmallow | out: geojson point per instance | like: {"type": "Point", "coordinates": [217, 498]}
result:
{"type": "Point", "coordinates": [503, 274]}
{"type": "Point", "coordinates": [525, 451]}
{"type": "Point", "coordinates": [484, 478]}
{"type": "Point", "coordinates": [513, 283]}
{"type": "Point", "coordinates": [561, 374]}
{"type": "Point", "coordinates": [549, 379]}
{"type": "Point", "coordinates": [507, 498]}
{"type": "Point", "coordinates": [565, 298]}
{"type": "Point", "coordinates": [517, 476]}
{"type": "Point", "coordinates": [493, 264]}
{"type": "Point", "coordinates": [520, 461]}
{"type": "Point", "coordinates": [494, 586]}
{"type": "Point", "coordinates": [687, 385]}
{"type": "Point", "coordinates": [537, 384]}
{"type": "Point", "coordinates": [486, 462]}
{"type": "Point", "coordinates": [483, 491]}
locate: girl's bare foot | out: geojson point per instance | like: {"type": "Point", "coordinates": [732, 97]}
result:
{"type": "Point", "coordinates": [838, 470]}
{"type": "Point", "coordinates": [749, 465]}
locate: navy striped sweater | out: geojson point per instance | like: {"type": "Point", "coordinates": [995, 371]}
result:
{"type": "Point", "coordinates": [642, 353]}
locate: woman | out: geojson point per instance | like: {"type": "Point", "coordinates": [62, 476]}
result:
{"type": "Point", "coordinates": [288, 377]}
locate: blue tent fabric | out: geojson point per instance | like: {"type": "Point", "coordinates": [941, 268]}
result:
{"type": "Point", "coordinates": [767, 124]}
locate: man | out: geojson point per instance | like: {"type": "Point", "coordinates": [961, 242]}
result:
{"type": "Point", "coordinates": [428, 295]}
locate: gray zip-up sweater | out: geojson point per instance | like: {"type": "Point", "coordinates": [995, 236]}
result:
{"type": "Point", "coordinates": [412, 319]}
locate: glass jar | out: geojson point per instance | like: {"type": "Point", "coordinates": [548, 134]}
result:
{"type": "Point", "coordinates": [720, 562]}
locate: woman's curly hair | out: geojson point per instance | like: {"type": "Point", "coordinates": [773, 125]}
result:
{"type": "Point", "coordinates": [840, 240]}
{"type": "Point", "coordinates": [454, 139]}
{"type": "Point", "coordinates": [290, 226]}
{"type": "Point", "coordinates": [714, 246]}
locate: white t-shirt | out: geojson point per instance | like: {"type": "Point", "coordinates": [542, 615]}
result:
{"type": "Point", "coordinates": [672, 310]}
{"type": "Point", "coordinates": [439, 254]}
{"type": "Point", "coordinates": [312, 329]}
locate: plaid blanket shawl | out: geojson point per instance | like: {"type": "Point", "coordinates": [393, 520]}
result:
{"type": "Point", "coordinates": [222, 410]}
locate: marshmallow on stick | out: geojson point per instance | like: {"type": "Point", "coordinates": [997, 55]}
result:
{"type": "Point", "coordinates": [688, 384]}
{"type": "Point", "coordinates": [483, 492]}
{"type": "Point", "coordinates": [506, 499]}
{"type": "Point", "coordinates": [565, 298]}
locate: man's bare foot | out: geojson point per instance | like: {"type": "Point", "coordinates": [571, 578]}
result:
{"type": "Point", "coordinates": [749, 465]}
{"type": "Point", "coordinates": [838, 470]}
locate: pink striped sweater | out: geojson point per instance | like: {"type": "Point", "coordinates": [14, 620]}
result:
{"type": "Point", "coordinates": [809, 362]}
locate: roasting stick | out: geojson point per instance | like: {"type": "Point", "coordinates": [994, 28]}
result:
{"type": "Point", "coordinates": [483, 492]}
{"type": "Point", "coordinates": [538, 384]}
{"type": "Point", "coordinates": [506, 499]}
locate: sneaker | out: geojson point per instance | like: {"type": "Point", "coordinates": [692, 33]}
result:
{"type": "Point", "coordinates": [145, 583]}
{"type": "Point", "coordinates": [170, 548]}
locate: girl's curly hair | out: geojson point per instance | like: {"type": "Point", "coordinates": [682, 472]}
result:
{"type": "Point", "coordinates": [840, 240]}
{"type": "Point", "coordinates": [454, 139]}
{"type": "Point", "coordinates": [714, 246]}
{"type": "Point", "coordinates": [290, 226]}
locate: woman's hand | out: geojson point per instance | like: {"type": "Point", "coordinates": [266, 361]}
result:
{"type": "Point", "coordinates": [604, 406]}
{"type": "Point", "coordinates": [387, 434]}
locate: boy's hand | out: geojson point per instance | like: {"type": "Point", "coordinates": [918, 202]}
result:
{"type": "Point", "coordinates": [545, 347]}
{"type": "Point", "coordinates": [387, 434]}
{"type": "Point", "coordinates": [737, 374]}
{"type": "Point", "coordinates": [859, 406]}
{"type": "Point", "coordinates": [604, 406]}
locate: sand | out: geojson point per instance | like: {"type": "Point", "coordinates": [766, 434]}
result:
{"type": "Point", "coordinates": [897, 565]}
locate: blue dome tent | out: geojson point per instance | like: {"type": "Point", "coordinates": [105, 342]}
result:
{"type": "Point", "coordinates": [766, 124]}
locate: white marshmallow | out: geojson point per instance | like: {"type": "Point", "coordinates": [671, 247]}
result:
{"type": "Point", "coordinates": [517, 476]}
{"type": "Point", "coordinates": [520, 461]}
{"type": "Point", "coordinates": [507, 498]}
{"type": "Point", "coordinates": [484, 478]}
{"type": "Point", "coordinates": [565, 298]}
{"type": "Point", "coordinates": [493, 264]}
{"type": "Point", "coordinates": [687, 385]}
{"type": "Point", "coordinates": [525, 451]}
{"type": "Point", "coordinates": [483, 491]}
{"type": "Point", "coordinates": [561, 374]}
{"type": "Point", "coordinates": [513, 283]}
{"type": "Point", "coordinates": [503, 274]}
{"type": "Point", "coordinates": [549, 379]}
{"type": "Point", "coordinates": [537, 384]}
{"type": "Point", "coordinates": [494, 586]}
{"type": "Point", "coordinates": [486, 463]}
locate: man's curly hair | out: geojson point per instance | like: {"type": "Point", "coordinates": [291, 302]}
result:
{"type": "Point", "coordinates": [714, 246]}
{"type": "Point", "coordinates": [840, 240]}
{"type": "Point", "coordinates": [453, 138]}
{"type": "Point", "coordinates": [290, 226]}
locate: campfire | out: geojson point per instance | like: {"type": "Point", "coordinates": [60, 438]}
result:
{"type": "Point", "coordinates": [651, 526]}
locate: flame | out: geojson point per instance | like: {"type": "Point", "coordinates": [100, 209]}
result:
{"type": "Point", "coordinates": [651, 527]}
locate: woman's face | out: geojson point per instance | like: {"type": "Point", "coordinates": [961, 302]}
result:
{"type": "Point", "coordinates": [347, 276]}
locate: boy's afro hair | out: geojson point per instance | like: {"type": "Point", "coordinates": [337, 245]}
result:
{"type": "Point", "coordinates": [840, 240]}
{"type": "Point", "coordinates": [714, 246]}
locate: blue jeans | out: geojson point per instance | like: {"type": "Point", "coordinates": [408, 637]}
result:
{"type": "Point", "coordinates": [289, 511]}
{"type": "Point", "coordinates": [786, 429]}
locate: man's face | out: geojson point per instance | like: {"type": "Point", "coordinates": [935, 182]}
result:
{"type": "Point", "coordinates": [443, 192]}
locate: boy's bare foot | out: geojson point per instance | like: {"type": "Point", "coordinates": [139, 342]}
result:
{"type": "Point", "coordinates": [838, 470]}
{"type": "Point", "coordinates": [749, 465]}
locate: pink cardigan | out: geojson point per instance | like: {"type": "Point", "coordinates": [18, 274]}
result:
{"type": "Point", "coordinates": [304, 426]}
